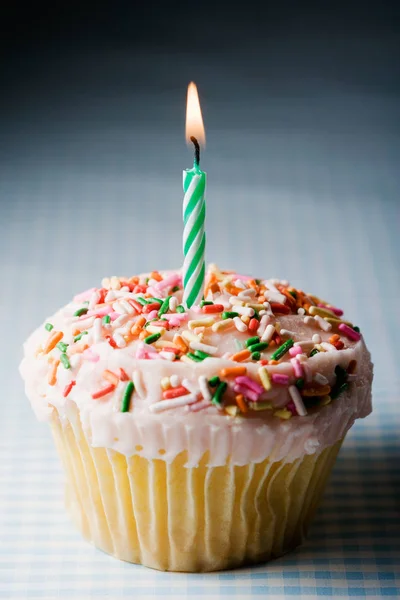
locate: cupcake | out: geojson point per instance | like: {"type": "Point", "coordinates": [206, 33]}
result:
{"type": "Point", "coordinates": [201, 439]}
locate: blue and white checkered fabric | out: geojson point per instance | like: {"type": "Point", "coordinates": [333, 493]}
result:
{"type": "Point", "coordinates": [328, 229]}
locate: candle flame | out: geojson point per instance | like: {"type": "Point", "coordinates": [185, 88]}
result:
{"type": "Point", "coordinates": [194, 120]}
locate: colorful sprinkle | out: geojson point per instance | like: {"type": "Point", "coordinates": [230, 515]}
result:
{"type": "Point", "coordinates": [282, 350]}
{"type": "Point", "coordinates": [49, 326]}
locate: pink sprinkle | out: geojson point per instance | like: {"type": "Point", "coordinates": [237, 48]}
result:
{"type": "Point", "coordinates": [336, 311]}
{"type": "Point", "coordinates": [84, 295]}
{"type": "Point", "coordinates": [295, 350]}
{"type": "Point", "coordinates": [176, 316]}
{"type": "Point", "coordinates": [280, 379]}
{"type": "Point", "coordinates": [351, 334]}
{"type": "Point", "coordinates": [169, 282]}
{"type": "Point", "coordinates": [141, 352]}
{"type": "Point", "coordinates": [152, 291]}
{"type": "Point", "coordinates": [99, 312]}
{"type": "Point", "coordinates": [249, 383]}
{"type": "Point", "coordinates": [152, 315]}
{"type": "Point", "coordinates": [114, 315]}
{"type": "Point", "coordinates": [199, 405]}
{"type": "Point", "coordinates": [298, 369]}
{"type": "Point", "coordinates": [196, 309]}
{"type": "Point", "coordinates": [247, 392]}
{"type": "Point", "coordinates": [174, 322]}
{"type": "Point", "coordinates": [88, 354]}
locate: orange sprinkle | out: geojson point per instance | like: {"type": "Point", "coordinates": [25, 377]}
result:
{"type": "Point", "coordinates": [143, 334]}
{"type": "Point", "coordinates": [53, 373]}
{"type": "Point", "coordinates": [241, 403]}
{"type": "Point", "coordinates": [111, 377]}
{"type": "Point", "coordinates": [180, 342]}
{"type": "Point", "coordinates": [334, 338]}
{"type": "Point", "coordinates": [261, 299]}
{"type": "Point", "coordinates": [138, 326]}
{"type": "Point", "coordinates": [233, 371]}
{"type": "Point", "coordinates": [156, 275]}
{"type": "Point", "coordinates": [175, 392]}
{"type": "Point", "coordinates": [103, 392]}
{"type": "Point", "coordinates": [273, 362]}
{"type": "Point", "coordinates": [53, 340]}
{"type": "Point", "coordinates": [323, 390]}
{"type": "Point", "coordinates": [232, 289]}
{"type": "Point", "coordinates": [77, 348]}
{"type": "Point", "coordinates": [242, 355]}
{"type": "Point", "coordinates": [252, 283]}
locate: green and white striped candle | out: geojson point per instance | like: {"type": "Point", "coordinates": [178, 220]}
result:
{"type": "Point", "coordinates": [194, 210]}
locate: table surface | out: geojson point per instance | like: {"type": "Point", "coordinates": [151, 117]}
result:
{"type": "Point", "coordinates": [317, 207]}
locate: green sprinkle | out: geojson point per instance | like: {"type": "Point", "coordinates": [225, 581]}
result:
{"type": "Point", "coordinates": [65, 361]}
{"type": "Point", "coordinates": [214, 381]}
{"type": "Point", "coordinates": [293, 293]}
{"type": "Point", "coordinates": [176, 288]}
{"type": "Point", "coordinates": [106, 319]}
{"type": "Point", "coordinates": [282, 350]}
{"type": "Point", "coordinates": [228, 314]}
{"type": "Point", "coordinates": [259, 347]}
{"type": "Point", "coordinates": [126, 398]}
{"type": "Point", "coordinates": [205, 303]}
{"type": "Point", "coordinates": [300, 383]}
{"type": "Point", "coordinates": [141, 301]}
{"type": "Point", "coordinates": [356, 329]}
{"type": "Point", "coordinates": [152, 338]}
{"type": "Point", "coordinates": [337, 390]}
{"type": "Point", "coordinates": [193, 357]}
{"type": "Point", "coordinates": [78, 337]}
{"type": "Point", "coordinates": [164, 306]}
{"type": "Point", "coordinates": [252, 340]}
{"type": "Point", "coordinates": [80, 312]}
{"type": "Point", "coordinates": [49, 326]}
{"type": "Point", "coordinates": [180, 309]}
{"type": "Point", "coordinates": [256, 315]}
{"type": "Point", "coordinates": [158, 300]}
{"type": "Point", "coordinates": [255, 356]}
{"type": "Point", "coordinates": [201, 354]}
{"type": "Point", "coordinates": [258, 281]}
{"type": "Point", "coordinates": [341, 374]}
{"type": "Point", "coordinates": [314, 352]}
{"type": "Point", "coordinates": [62, 346]}
{"type": "Point", "coordinates": [219, 392]}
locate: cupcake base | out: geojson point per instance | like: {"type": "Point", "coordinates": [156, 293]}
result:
{"type": "Point", "coordinates": [173, 518]}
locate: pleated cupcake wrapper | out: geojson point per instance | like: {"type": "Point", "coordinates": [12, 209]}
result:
{"type": "Point", "coordinates": [171, 517]}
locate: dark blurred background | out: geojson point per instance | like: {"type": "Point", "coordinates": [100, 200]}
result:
{"type": "Point", "coordinates": [301, 108]}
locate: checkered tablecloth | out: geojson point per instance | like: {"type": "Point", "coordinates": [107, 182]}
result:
{"type": "Point", "coordinates": [327, 221]}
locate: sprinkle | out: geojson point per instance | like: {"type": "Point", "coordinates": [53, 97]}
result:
{"type": "Point", "coordinates": [246, 391]}
{"type": "Point", "coordinates": [337, 311]}
{"type": "Point", "coordinates": [111, 377]}
{"type": "Point", "coordinates": [97, 331]}
{"type": "Point", "coordinates": [280, 378]}
{"type": "Point", "coordinates": [84, 323]}
{"type": "Point", "coordinates": [325, 400]}
{"type": "Point", "coordinates": [214, 381]}
{"type": "Point", "coordinates": [49, 326]}
{"type": "Point", "coordinates": [62, 346]}
{"type": "Point", "coordinates": [265, 379]}
{"type": "Point", "coordinates": [288, 333]}
{"type": "Point", "coordinates": [283, 413]}
{"type": "Point", "coordinates": [212, 308]}
{"type": "Point", "coordinates": [324, 325]}
{"type": "Point", "coordinates": [352, 367]}
{"type": "Point", "coordinates": [295, 350]}
{"type": "Point", "coordinates": [279, 308]}
{"type": "Point", "coordinates": [245, 311]}
{"type": "Point", "coordinates": [242, 355]}
{"type": "Point", "coordinates": [68, 388]}
{"type": "Point", "coordinates": [240, 326]}
{"type": "Point", "coordinates": [316, 338]}
{"type": "Point", "coordinates": [141, 300]}
{"type": "Point", "coordinates": [247, 382]}
{"type": "Point", "coordinates": [204, 390]}
{"type": "Point", "coordinates": [314, 352]}
{"type": "Point", "coordinates": [310, 392]}
{"type": "Point", "coordinates": [222, 325]}
{"type": "Point", "coordinates": [119, 340]}
{"type": "Point", "coordinates": [321, 312]}
{"type": "Point", "coordinates": [103, 392]}
{"type": "Point", "coordinates": [166, 355]}
{"type": "Point", "coordinates": [164, 306]}
{"type": "Point", "coordinates": [328, 347]}
{"type": "Point", "coordinates": [138, 325]}
{"type": "Point", "coordinates": [201, 355]}
{"type": "Point", "coordinates": [233, 371]}
{"type": "Point", "coordinates": [200, 405]}
{"type": "Point", "coordinates": [155, 329]}
{"type": "Point", "coordinates": [232, 410]}
{"type": "Point", "coordinates": [52, 377]}
{"type": "Point", "coordinates": [180, 309]}
{"type": "Point", "coordinates": [268, 333]}
{"type": "Point", "coordinates": [88, 354]}
{"type": "Point", "coordinates": [174, 379]}
{"type": "Point", "coordinates": [150, 339]}
{"type": "Point", "coordinates": [282, 349]}
{"type": "Point", "coordinates": [258, 347]}
{"type": "Point", "coordinates": [175, 392]}
{"type": "Point", "coordinates": [174, 403]}
{"type": "Point", "coordinates": [173, 303]}
{"type": "Point", "coordinates": [297, 401]}
{"type": "Point", "coordinates": [123, 374]}
{"type": "Point", "coordinates": [180, 342]}
{"type": "Point", "coordinates": [308, 320]}
{"type": "Point", "coordinates": [207, 322]}
{"type": "Point", "coordinates": [189, 336]}
{"type": "Point", "coordinates": [203, 347]}
{"type": "Point", "coordinates": [126, 398]}
{"type": "Point", "coordinates": [261, 405]}
{"type": "Point", "coordinates": [219, 392]}
{"type": "Point", "coordinates": [137, 380]}
{"type": "Point", "coordinates": [301, 311]}
{"type": "Point", "coordinates": [52, 341]}
{"type": "Point", "coordinates": [80, 312]}
{"type": "Point", "coordinates": [228, 314]}
{"type": "Point", "coordinates": [106, 319]}
{"type": "Point", "coordinates": [320, 379]}
{"type": "Point", "coordinates": [240, 401]}
{"type": "Point", "coordinates": [297, 368]}
{"type": "Point", "coordinates": [349, 332]}
{"type": "Point", "coordinates": [252, 340]}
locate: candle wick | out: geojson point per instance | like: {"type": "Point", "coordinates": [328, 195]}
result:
{"type": "Point", "coordinates": [196, 150]}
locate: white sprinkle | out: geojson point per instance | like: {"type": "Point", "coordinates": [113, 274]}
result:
{"type": "Point", "coordinates": [110, 296]}
{"type": "Point", "coordinates": [268, 333]}
{"type": "Point", "coordinates": [297, 400]}
{"type": "Point", "coordinates": [173, 303]}
{"type": "Point", "coordinates": [316, 338]}
{"type": "Point", "coordinates": [167, 355]}
{"type": "Point", "coordinates": [119, 340]}
{"type": "Point", "coordinates": [204, 389]}
{"type": "Point", "coordinates": [197, 406]}
{"type": "Point", "coordinates": [288, 333]}
{"type": "Point", "coordinates": [268, 309]}
{"type": "Point", "coordinates": [190, 386]}
{"type": "Point", "coordinates": [244, 310]}
{"type": "Point", "coordinates": [262, 312]}
{"type": "Point", "coordinates": [235, 301]}
{"type": "Point", "coordinates": [324, 325]}
{"type": "Point", "coordinates": [247, 294]}
{"type": "Point", "coordinates": [174, 403]}
{"type": "Point", "coordinates": [239, 284]}
{"type": "Point", "coordinates": [222, 325]}
{"type": "Point", "coordinates": [328, 347]}
{"type": "Point", "coordinates": [124, 288]}
{"type": "Point", "coordinates": [307, 372]}
{"type": "Point", "coordinates": [127, 307]}
{"type": "Point", "coordinates": [273, 296]}
{"type": "Point", "coordinates": [137, 382]}
{"type": "Point", "coordinates": [118, 308]}
{"type": "Point", "coordinates": [308, 320]}
{"type": "Point", "coordinates": [320, 379]}
{"type": "Point", "coordinates": [240, 326]}
{"type": "Point", "coordinates": [203, 347]}
{"type": "Point", "coordinates": [84, 324]}
{"type": "Point", "coordinates": [305, 344]}
{"type": "Point", "coordinates": [301, 311]}
{"type": "Point", "coordinates": [263, 324]}
{"type": "Point", "coordinates": [94, 298]}
{"type": "Point", "coordinates": [97, 333]}
{"type": "Point", "coordinates": [174, 380]}
{"type": "Point", "coordinates": [120, 321]}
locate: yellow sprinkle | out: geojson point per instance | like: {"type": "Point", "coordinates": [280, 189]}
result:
{"type": "Point", "coordinates": [245, 319]}
{"type": "Point", "coordinates": [223, 325]}
{"type": "Point", "coordinates": [319, 347]}
{"type": "Point", "coordinates": [261, 405]}
{"type": "Point", "coordinates": [187, 360]}
{"type": "Point", "coordinates": [235, 301]}
{"type": "Point", "coordinates": [283, 414]}
{"type": "Point", "coordinates": [155, 329]}
{"type": "Point", "coordinates": [207, 322]}
{"type": "Point", "coordinates": [191, 337]}
{"type": "Point", "coordinates": [325, 400]}
{"type": "Point", "coordinates": [165, 383]}
{"type": "Point", "coordinates": [232, 410]}
{"type": "Point", "coordinates": [336, 322]}
{"type": "Point", "coordinates": [256, 306]}
{"type": "Point", "coordinates": [265, 379]}
{"type": "Point", "coordinates": [322, 312]}
{"type": "Point", "coordinates": [164, 344]}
